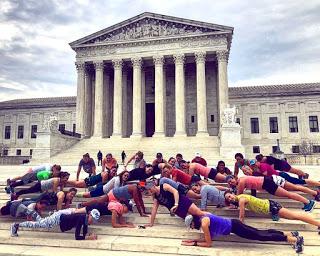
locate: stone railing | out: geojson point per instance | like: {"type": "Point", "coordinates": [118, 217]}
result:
{"type": "Point", "coordinates": [296, 159]}
{"type": "Point", "coordinates": [14, 160]}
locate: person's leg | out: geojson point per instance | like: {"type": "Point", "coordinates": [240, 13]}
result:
{"type": "Point", "coordinates": [16, 183]}
{"type": "Point", "coordinates": [296, 171]}
{"type": "Point", "coordinates": [35, 188]}
{"type": "Point", "coordinates": [293, 187]}
{"type": "Point", "coordinates": [194, 210]}
{"type": "Point", "coordinates": [312, 182]}
{"type": "Point", "coordinates": [48, 222]}
{"type": "Point", "coordinates": [291, 215]}
{"type": "Point", "coordinates": [294, 196]}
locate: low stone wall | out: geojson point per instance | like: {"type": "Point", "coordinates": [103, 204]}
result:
{"type": "Point", "coordinates": [13, 160]}
{"type": "Point", "coordinates": [295, 159]}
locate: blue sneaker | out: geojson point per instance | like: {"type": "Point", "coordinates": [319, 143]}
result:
{"type": "Point", "coordinates": [299, 244]}
{"type": "Point", "coordinates": [275, 217]}
{"type": "Point", "coordinates": [14, 229]}
{"type": "Point", "coordinates": [309, 207]}
{"type": "Point", "coordinates": [295, 233]}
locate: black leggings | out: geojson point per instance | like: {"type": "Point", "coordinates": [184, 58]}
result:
{"type": "Point", "coordinates": [35, 188]}
{"type": "Point", "coordinates": [248, 232]}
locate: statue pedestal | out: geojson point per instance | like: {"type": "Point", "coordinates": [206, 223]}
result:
{"type": "Point", "coordinates": [230, 140]}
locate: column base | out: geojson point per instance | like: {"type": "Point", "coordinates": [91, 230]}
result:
{"type": "Point", "coordinates": [159, 134]}
{"type": "Point", "coordinates": [116, 135]}
{"type": "Point", "coordinates": [136, 135]}
{"type": "Point", "coordinates": [180, 134]}
{"type": "Point", "coordinates": [202, 134]}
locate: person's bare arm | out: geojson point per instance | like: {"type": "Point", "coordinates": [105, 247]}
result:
{"type": "Point", "coordinates": [206, 242]}
{"type": "Point", "coordinates": [153, 213]}
{"type": "Point", "coordinates": [242, 208]}
{"type": "Point", "coordinates": [129, 161]}
{"type": "Point", "coordinates": [60, 196]}
{"type": "Point", "coordinates": [137, 201]}
{"type": "Point", "coordinates": [236, 170]}
{"type": "Point", "coordinates": [241, 186]}
{"type": "Point", "coordinates": [78, 172]}
{"type": "Point", "coordinates": [94, 170]}
{"type": "Point", "coordinates": [56, 182]}
{"type": "Point", "coordinates": [99, 200]}
{"type": "Point", "coordinates": [175, 193]}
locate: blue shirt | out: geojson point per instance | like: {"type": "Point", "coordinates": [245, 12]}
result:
{"type": "Point", "coordinates": [218, 226]}
{"type": "Point", "coordinates": [212, 194]}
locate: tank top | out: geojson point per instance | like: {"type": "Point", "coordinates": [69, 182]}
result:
{"type": "Point", "coordinates": [47, 184]}
{"type": "Point", "coordinates": [252, 182]}
{"type": "Point", "coordinates": [256, 204]}
{"type": "Point", "coordinates": [138, 162]}
{"type": "Point", "coordinates": [201, 170]}
{"type": "Point", "coordinates": [218, 226]}
{"type": "Point", "coordinates": [245, 162]}
{"type": "Point", "coordinates": [165, 198]}
{"type": "Point", "coordinates": [268, 168]}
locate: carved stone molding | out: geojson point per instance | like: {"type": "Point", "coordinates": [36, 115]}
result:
{"type": "Point", "coordinates": [222, 55]}
{"type": "Point", "coordinates": [117, 63]}
{"type": "Point", "coordinates": [158, 60]}
{"type": "Point", "coordinates": [98, 65]}
{"type": "Point", "coordinates": [136, 62]}
{"type": "Point", "coordinates": [200, 57]}
{"type": "Point", "coordinates": [80, 66]}
{"type": "Point", "coordinates": [179, 59]}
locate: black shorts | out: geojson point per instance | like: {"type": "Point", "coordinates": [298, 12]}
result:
{"type": "Point", "coordinates": [274, 207]}
{"type": "Point", "coordinates": [195, 178]}
{"type": "Point", "coordinates": [269, 185]}
{"type": "Point", "coordinates": [213, 173]}
{"type": "Point", "coordinates": [101, 207]}
{"type": "Point", "coordinates": [93, 180]}
{"type": "Point", "coordinates": [182, 189]}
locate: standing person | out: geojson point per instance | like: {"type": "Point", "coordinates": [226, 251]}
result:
{"type": "Point", "coordinates": [41, 172]}
{"type": "Point", "coordinates": [214, 226]}
{"type": "Point", "coordinates": [266, 206]}
{"type": "Point", "coordinates": [221, 168]}
{"type": "Point", "coordinates": [281, 165]}
{"type": "Point", "coordinates": [88, 165]}
{"type": "Point", "coordinates": [66, 219]}
{"type": "Point", "coordinates": [44, 185]}
{"type": "Point", "coordinates": [139, 162]}
{"type": "Point", "coordinates": [99, 156]}
{"type": "Point", "coordinates": [199, 159]}
{"type": "Point", "coordinates": [109, 162]}
{"type": "Point", "coordinates": [123, 156]}
{"type": "Point", "coordinates": [267, 184]}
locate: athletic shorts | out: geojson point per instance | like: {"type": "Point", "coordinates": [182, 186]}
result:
{"type": "Point", "coordinates": [183, 206]}
{"type": "Point", "coordinates": [274, 207]}
{"type": "Point", "coordinates": [279, 180]}
{"type": "Point", "coordinates": [213, 173]}
{"type": "Point", "coordinates": [98, 191]}
{"type": "Point", "coordinates": [269, 185]}
{"type": "Point", "coordinates": [183, 190]}
{"type": "Point", "coordinates": [291, 179]}
{"type": "Point", "coordinates": [195, 178]}
{"type": "Point", "coordinates": [93, 180]}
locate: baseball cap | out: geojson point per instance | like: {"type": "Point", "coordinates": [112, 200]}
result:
{"type": "Point", "coordinates": [198, 154]}
{"type": "Point", "coordinates": [188, 220]}
{"type": "Point", "coordinates": [95, 215]}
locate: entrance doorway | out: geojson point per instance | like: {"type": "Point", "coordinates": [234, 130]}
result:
{"type": "Point", "coordinates": [150, 122]}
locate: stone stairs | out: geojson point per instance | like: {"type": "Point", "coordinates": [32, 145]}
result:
{"type": "Point", "coordinates": [162, 239]}
{"type": "Point", "coordinates": [169, 146]}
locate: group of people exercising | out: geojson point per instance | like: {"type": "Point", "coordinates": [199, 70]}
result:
{"type": "Point", "coordinates": [115, 193]}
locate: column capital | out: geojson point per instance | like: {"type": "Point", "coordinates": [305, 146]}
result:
{"type": "Point", "coordinates": [222, 56]}
{"type": "Point", "coordinates": [200, 56]}
{"type": "Point", "coordinates": [80, 66]}
{"type": "Point", "coordinates": [158, 60]}
{"type": "Point", "coordinates": [117, 63]}
{"type": "Point", "coordinates": [98, 65]}
{"type": "Point", "coordinates": [179, 58]}
{"type": "Point", "coordinates": [136, 62]}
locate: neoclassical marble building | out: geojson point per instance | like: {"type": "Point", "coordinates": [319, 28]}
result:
{"type": "Point", "coordinates": [164, 79]}
{"type": "Point", "coordinates": [152, 75]}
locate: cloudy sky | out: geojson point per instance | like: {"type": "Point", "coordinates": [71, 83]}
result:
{"type": "Point", "coordinates": [274, 42]}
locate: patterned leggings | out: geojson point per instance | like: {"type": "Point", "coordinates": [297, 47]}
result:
{"type": "Point", "coordinates": [48, 222]}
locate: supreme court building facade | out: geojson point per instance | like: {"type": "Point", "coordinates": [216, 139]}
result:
{"type": "Point", "coordinates": [152, 75]}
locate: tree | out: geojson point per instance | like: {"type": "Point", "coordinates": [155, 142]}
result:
{"type": "Point", "coordinates": [306, 149]}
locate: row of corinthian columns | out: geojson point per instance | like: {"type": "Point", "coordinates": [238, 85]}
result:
{"type": "Point", "coordinates": [84, 96]}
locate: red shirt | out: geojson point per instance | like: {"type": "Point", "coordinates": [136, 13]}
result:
{"type": "Point", "coordinates": [181, 176]}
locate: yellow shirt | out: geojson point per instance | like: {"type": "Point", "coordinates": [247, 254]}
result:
{"type": "Point", "coordinates": [256, 204]}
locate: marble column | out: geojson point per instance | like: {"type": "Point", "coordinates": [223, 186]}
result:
{"type": "Point", "coordinates": [99, 100]}
{"type": "Point", "coordinates": [160, 94]}
{"type": "Point", "coordinates": [88, 103]}
{"type": "Point", "coordinates": [137, 98]}
{"type": "Point", "coordinates": [180, 105]}
{"type": "Point", "coordinates": [223, 98]}
{"type": "Point", "coordinates": [117, 98]}
{"type": "Point", "coordinates": [143, 96]}
{"type": "Point", "coordinates": [201, 94]}
{"type": "Point", "coordinates": [80, 108]}
{"type": "Point", "coordinates": [124, 102]}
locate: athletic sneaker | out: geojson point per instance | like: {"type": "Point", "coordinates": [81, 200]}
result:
{"type": "Point", "coordinates": [317, 197]}
{"type": "Point", "coordinates": [299, 244]}
{"type": "Point", "coordinates": [275, 217]}
{"type": "Point", "coordinates": [14, 229]}
{"type": "Point", "coordinates": [309, 207]}
{"type": "Point", "coordinates": [7, 189]}
{"type": "Point", "coordinates": [295, 233]}
{"type": "Point", "coordinates": [13, 196]}
{"type": "Point", "coordinates": [306, 176]}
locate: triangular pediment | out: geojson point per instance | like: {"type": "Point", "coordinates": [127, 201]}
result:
{"type": "Point", "coordinates": [151, 26]}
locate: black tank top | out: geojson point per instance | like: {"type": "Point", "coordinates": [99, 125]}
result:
{"type": "Point", "coordinates": [165, 198]}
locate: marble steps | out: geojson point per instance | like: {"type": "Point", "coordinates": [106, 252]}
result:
{"type": "Point", "coordinates": [60, 243]}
